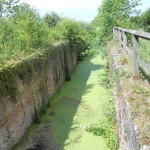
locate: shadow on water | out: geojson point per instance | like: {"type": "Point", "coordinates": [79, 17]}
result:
{"type": "Point", "coordinates": [59, 120]}
{"type": "Point", "coordinates": [66, 102]}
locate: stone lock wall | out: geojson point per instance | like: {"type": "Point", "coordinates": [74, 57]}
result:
{"type": "Point", "coordinates": [128, 132]}
{"type": "Point", "coordinates": [34, 92]}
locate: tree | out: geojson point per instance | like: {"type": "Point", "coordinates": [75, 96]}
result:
{"type": "Point", "coordinates": [113, 13]}
{"type": "Point", "coordinates": [136, 22]}
{"type": "Point", "coordinates": [145, 17]}
{"type": "Point", "coordinates": [6, 6]}
{"type": "Point", "coordinates": [52, 19]}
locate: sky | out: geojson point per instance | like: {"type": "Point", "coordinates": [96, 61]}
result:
{"type": "Point", "coordinates": [84, 10]}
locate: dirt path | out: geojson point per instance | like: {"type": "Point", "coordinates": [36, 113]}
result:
{"type": "Point", "coordinates": [77, 104]}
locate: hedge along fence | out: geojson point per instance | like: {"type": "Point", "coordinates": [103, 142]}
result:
{"type": "Point", "coordinates": [129, 40]}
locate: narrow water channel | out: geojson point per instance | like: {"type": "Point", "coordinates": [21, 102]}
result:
{"type": "Point", "coordinates": [76, 105]}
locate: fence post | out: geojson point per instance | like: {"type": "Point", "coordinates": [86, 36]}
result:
{"type": "Point", "coordinates": [135, 41]}
{"type": "Point", "coordinates": [124, 40]}
{"type": "Point", "coordinates": [119, 37]}
{"type": "Point", "coordinates": [114, 33]}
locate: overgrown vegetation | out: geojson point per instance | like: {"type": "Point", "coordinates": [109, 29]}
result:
{"type": "Point", "coordinates": [141, 21]}
{"type": "Point", "coordinates": [23, 31]}
{"type": "Point", "coordinates": [120, 13]}
{"type": "Point", "coordinates": [25, 36]}
{"type": "Point", "coordinates": [135, 91]}
{"type": "Point", "coordinates": [145, 17]}
{"type": "Point", "coordinates": [113, 13]}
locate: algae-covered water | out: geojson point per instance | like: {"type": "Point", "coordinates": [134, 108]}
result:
{"type": "Point", "coordinates": [78, 104]}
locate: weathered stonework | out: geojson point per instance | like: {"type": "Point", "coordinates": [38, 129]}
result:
{"type": "Point", "coordinates": [34, 92]}
{"type": "Point", "coordinates": [130, 118]}
{"type": "Point", "coordinates": [128, 132]}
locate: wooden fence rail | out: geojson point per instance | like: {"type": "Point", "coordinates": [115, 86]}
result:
{"type": "Point", "coordinates": [127, 37]}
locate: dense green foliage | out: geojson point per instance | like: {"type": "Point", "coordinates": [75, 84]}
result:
{"type": "Point", "coordinates": [25, 38]}
{"type": "Point", "coordinates": [23, 32]}
{"type": "Point", "coordinates": [113, 13]}
{"type": "Point", "coordinates": [141, 21]}
{"type": "Point", "coordinates": [136, 22]}
{"type": "Point", "coordinates": [52, 19]}
{"type": "Point", "coordinates": [7, 6]}
{"type": "Point", "coordinates": [72, 31]}
{"type": "Point", "coordinates": [145, 17]}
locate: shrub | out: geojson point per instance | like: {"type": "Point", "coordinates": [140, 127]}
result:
{"type": "Point", "coordinates": [146, 20]}
{"type": "Point", "coordinates": [51, 19]}
{"type": "Point", "coordinates": [72, 31]}
{"type": "Point", "coordinates": [23, 32]}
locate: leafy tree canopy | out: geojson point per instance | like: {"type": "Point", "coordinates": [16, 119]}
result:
{"type": "Point", "coordinates": [145, 17]}
{"type": "Point", "coordinates": [52, 19]}
{"type": "Point", "coordinates": [114, 13]}
{"type": "Point", "coordinates": [7, 6]}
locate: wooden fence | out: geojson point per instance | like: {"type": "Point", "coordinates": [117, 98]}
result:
{"type": "Point", "coordinates": [127, 37]}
